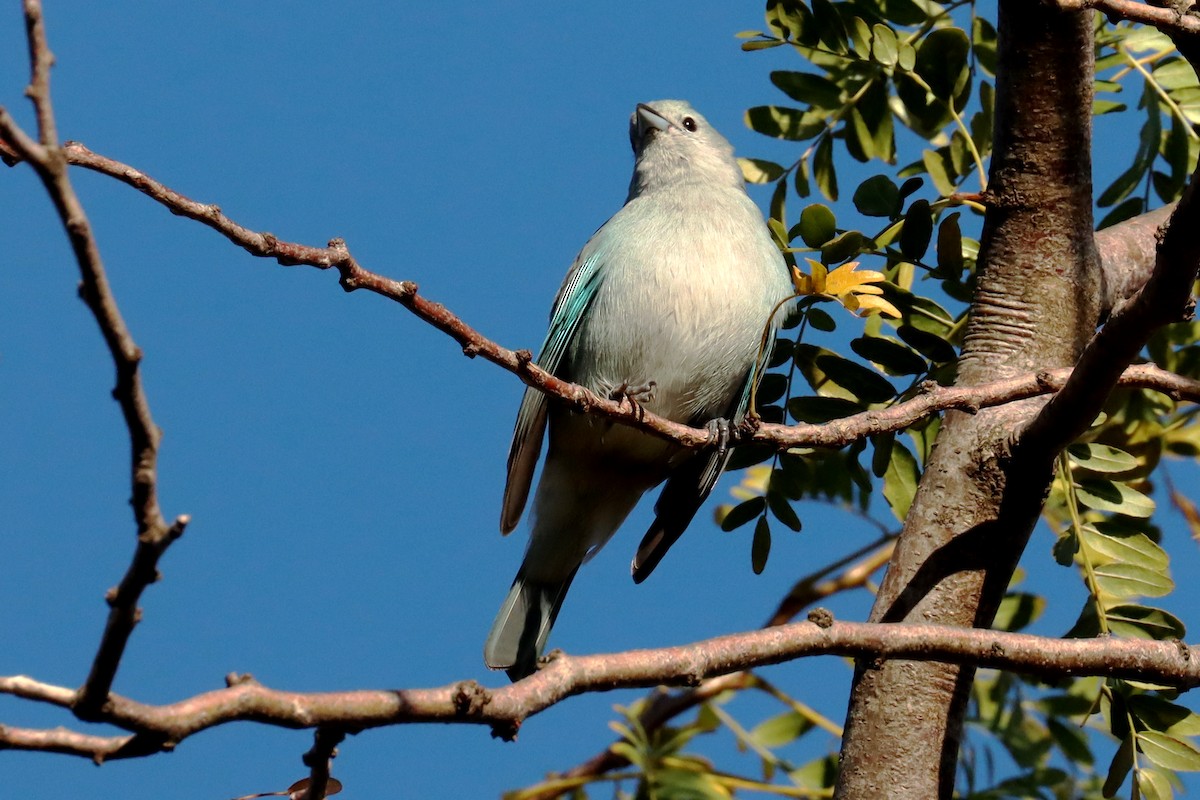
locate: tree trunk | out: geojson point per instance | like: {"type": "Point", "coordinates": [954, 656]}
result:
{"type": "Point", "coordinates": [1037, 304]}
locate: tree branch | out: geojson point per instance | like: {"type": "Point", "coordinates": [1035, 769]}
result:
{"type": "Point", "coordinates": [1166, 18]}
{"type": "Point", "coordinates": [1126, 252]}
{"type": "Point", "coordinates": [1165, 298]}
{"type": "Point", "coordinates": [504, 709]}
{"type": "Point", "coordinates": [837, 433]}
{"type": "Point", "coordinates": [154, 534]}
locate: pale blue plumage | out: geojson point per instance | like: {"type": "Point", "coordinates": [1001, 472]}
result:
{"type": "Point", "coordinates": [668, 301]}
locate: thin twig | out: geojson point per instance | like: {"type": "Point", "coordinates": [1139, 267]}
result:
{"type": "Point", "coordinates": [153, 533]}
{"type": "Point", "coordinates": [319, 760]}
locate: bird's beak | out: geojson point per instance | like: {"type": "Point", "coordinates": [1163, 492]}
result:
{"type": "Point", "coordinates": [648, 119]}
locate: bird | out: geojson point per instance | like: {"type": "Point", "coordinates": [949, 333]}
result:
{"type": "Point", "coordinates": [665, 306]}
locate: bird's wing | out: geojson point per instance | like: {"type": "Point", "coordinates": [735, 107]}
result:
{"type": "Point", "coordinates": [690, 484]}
{"type": "Point", "coordinates": [570, 307]}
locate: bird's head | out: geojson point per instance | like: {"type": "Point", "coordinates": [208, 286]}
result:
{"type": "Point", "coordinates": [673, 144]}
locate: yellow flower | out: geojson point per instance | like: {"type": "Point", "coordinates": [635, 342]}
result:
{"type": "Point", "coordinates": [854, 290]}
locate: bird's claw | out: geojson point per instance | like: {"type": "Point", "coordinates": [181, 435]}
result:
{"type": "Point", "coordinates": [636, 395]}
{"type": "Point", "coordinates": [719, 433]}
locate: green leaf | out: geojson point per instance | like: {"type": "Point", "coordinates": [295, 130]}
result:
{"type": "Point", "coordinates": [1071, 740]}
{"type": "Point", "coordinates": [860, 143]}
{"type": "Point", "coordinates": [1121, 764]}
{"type": "Point", "coordinates": [771, 388]}
{"type": "Point", "coordinates": [1126, 210]}
{"type": "Point", "coordinates": [1162, 715]}
{"type": "Point", "coordinates": [909, 186]}
{"type": "Point", "coordinates": [816, 410]}
{"type": "Point", "coordinates": [806, 87]}
{"type": "Point", "coordinates": [778, 229]}
{"type": "Point", "coordinates": [779, 209]}
{"type": "Point", "coordinates": [1188, 101]}
{"type": "Point", "coordinates": [782, 509]}
{"type": "Point", "coordinates": [917, 230]}
{"type": "Point", "coordinates": [885, 48]}
{"type": "Point", "coordinates": [960, 153]}
{"type": "Point", "coordinates": [900, 481]}
{"type": "Point", "coordinates": [949, 247]}
{"type": "Point", "coordinates": [781, 729]}
{"type": "Point", "coordinates": [1154, 785]}
{"type": "Point", "coordinates": [1017, 610]}
{"type": "Point", "coordinates": [935, 165]}
{"type": "Point", "coordinates": [983, 122]}
{"type": "Point", "coordinates": [823, 170]}
{"type": "Point", "coordinates": [881, 454]}
{"type": "Point", "coordinates": [1125, 547]}
{"type": "Point", "coordinates": [817, 225]}
{"type": "Point", "coordinates": [864, 384]}
{"type": "Point", "coordinates": [683, 783]}
{"type": "Point", "coordinates": [892, 357]}
{"type": "Point", "coordinates": [1064, 549]}
{"type": "Point", "coordinates": [877, 196]}
{"type": "Point", "coordinates": [860, 37]}
{"type": "Point", "coordinates": [1174, 73]}
{"type": "Point", "coordinates": [800, 179]}
{"type": "Point", "coordinates": [756, 170]}
{"type": "Point", "coordinates": [761, 44]}
{"type": "Point", "coordinates": [1169, 751]}
{"type": "Point", "coordinates": [742, 513]}
{"type": "Point", "coordinates": [842, 247]}
{"type": "Point", "coordinates": [760, 549]}
{"type": "Point", "coordinates": [784, 123]}
{"type": "Point", "coordinates": [930, 345]}
{"type": "Point", "coordinates": [829, 26]}
{"type": "Point", "coordinates": [792, 19]}
{"type": "Point", "coordinates": [1142, 622]}
{"type": "Point", "coordinates": [983, 36]}
{"type": "Point", "coordinates": [1101, 458]}
{"type": "Point", "coordinates": [1130, 580]}
{"type": "Point", "coordinates": [781, 353]}
{"type": "Point", "coordinates": [1114, 497]}
{"type": "Point", "coordinates": [1125, 183]}
{"type": "Point", "coordinates": [1101, 107]}
{"type": "Point", "coordinates": [943, 62]}
{"type": "Point", "coordinates": [820, 320]}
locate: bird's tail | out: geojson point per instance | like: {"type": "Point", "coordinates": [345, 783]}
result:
{"type": "Point", "coordinates": [523, 624]}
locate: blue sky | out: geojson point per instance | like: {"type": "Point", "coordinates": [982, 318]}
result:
{"type": "Point", "coordinates": [342, 462]}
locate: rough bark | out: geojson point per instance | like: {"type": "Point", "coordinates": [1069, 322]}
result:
{"type": "Point", "coordinates": [1038, 302]}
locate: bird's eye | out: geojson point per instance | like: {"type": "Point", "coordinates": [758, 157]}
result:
{"type": "Point", "coordinates": [689, 124]}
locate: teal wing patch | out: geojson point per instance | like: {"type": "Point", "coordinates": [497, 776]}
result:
{"type": "Point", "coordinates": [570, 307]}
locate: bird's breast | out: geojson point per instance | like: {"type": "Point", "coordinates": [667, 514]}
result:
{"type": "Point", "coordinates": [682, 306]}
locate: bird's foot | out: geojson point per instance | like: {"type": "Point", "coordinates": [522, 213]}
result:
{"type": "Point", "coordinates": [719, 432]}
{"type": "Point", "coordinates": [636, 395]}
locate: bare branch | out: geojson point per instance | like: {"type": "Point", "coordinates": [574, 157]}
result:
{"type": "Point", "coordinates": [1165, 18]}
{"type": "Point", "coordinates": [859, 567]}
{"type": "Point", "coordinates": [837, 433]}
{"type": "Point", "coordinates": [154, 534]}
{"type": "Point", "coordinates": [504, 709]}
{"type": "Point", "coordinates": [841, 432]}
